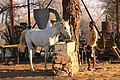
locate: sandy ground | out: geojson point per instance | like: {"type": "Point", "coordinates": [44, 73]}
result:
{"type": "Point", "coordinates": [104, 71]}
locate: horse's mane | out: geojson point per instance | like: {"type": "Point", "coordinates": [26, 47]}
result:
{"type": "Point", "coordinates": [56, 24]}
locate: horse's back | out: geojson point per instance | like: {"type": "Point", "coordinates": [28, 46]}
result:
{"type": "Point", "coordinates": [37, 36]}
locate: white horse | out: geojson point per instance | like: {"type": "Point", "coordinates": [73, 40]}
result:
{"type": "Point", "coordinates": [41, 38]}
{"type": "Point", "coordinates": [66, 24]}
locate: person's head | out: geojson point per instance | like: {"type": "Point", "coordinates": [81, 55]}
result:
{"type": "Point", "coordinates": [91, 24]}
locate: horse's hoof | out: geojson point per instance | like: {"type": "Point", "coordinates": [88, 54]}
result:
{"type": "Point", "coordinates": [32, 70]}
{"type": "Point", "coordinates": [45, 72]}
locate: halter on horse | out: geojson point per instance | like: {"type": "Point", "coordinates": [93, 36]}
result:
{"type": "Point", "coordinates": [41, 38]}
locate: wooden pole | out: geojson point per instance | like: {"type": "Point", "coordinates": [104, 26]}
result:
{"type": "Point", "coordinates": [117, 21]}
{"type": "Point", "coordinates": [29, 23]}
{"type": "Point", "coordinates": [91, 18]}
{"type": "Point", "coordinates": [12, 18]}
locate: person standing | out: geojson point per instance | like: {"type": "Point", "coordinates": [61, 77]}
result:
{"type": "Point", "coordinates": [91, 44]}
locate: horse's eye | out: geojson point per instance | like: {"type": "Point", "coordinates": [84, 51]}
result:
{"type": "Point", "coordinates": [65, 28]}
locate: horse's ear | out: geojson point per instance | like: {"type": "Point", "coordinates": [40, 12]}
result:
{"type": "Point", "coordinates": [62, 20]}
{"type": "Point", "coordinates": [54, 24]}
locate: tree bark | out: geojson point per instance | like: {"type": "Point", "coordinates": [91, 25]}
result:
{"type": "Point", "coordinates": [72, 12]}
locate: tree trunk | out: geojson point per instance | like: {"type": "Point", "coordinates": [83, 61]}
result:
{"type": "Point", "coordinates": [72, 12]}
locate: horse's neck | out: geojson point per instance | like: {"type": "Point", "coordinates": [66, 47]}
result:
{"type": "Point", "coordinates": [53, 32]}
{"type": "Point", "coordinates": [49, 24]}
{"type": "Point", "coordinates": [53, 40]}
{"type": "Point", "coordinates": [53, 35]}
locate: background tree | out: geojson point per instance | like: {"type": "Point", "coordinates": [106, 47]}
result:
{"type": "Point", "coordinates": [110, 10]}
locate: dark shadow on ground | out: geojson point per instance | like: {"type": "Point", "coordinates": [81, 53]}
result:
{"type": "Point", "coordinates": [24, 73]}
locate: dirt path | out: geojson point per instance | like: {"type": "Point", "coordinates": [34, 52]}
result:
{"type": "Point", "coordinates": [105, 71]}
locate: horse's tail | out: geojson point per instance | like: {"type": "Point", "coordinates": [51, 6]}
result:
{"type": "Point", "coordinates": [22, 41]}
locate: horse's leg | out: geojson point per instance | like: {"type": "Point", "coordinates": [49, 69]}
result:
{"type": "Point", "coordinates": [30, 48]}
{"type": "Point", "coordinates": [46, 54]}
{"type": "Point", "coordinates": [53, 51]}
{"type": "Point", "coordinates": [41, 50]}
{"type": "Point", "coordinates": [30, 56]}
{"type": "Point", "coordinates": [50, 52]}
{"type": "Point", "coordinates": [34, 50]}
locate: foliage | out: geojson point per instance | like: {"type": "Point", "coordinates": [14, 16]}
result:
{"type": "Point", "coordinates": [110, 6]}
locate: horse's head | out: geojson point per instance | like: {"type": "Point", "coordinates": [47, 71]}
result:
{"type": "Point", "coordinates": [65, 30]}
{"type": "Point", "coordinates": [66, 24]}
